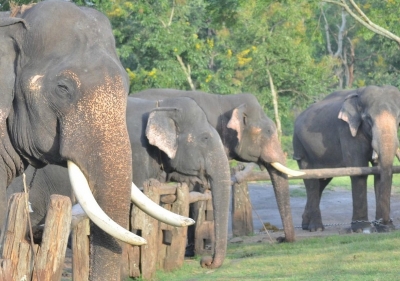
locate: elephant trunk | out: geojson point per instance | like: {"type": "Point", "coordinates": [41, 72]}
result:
{"type": "Point", "coordinates": [94, 137]}
{"type": "Point", "coordinates": [219, 176]}
{"type": "Point", "coordinates": [272, 152]}
{"type": "Point", "coordinates": [281, 189]}
{"type": "Point", "coordinates": [385, 144]}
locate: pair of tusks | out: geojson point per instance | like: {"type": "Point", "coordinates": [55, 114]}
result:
{"type": "Point", "coordinates": [88, 203]}
{"type": "Point", "coordinates": [286, 170]}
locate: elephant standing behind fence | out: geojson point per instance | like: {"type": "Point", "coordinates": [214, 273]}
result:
{"type": "Point", "coordinates": [350, 129]}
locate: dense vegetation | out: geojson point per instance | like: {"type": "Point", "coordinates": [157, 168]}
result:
{"type": "Point", "coordinates": [300, 49]}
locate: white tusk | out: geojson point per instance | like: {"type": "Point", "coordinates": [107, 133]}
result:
{"type": "Point", "coordinates": [375, 156]}
{"type": "Point", "coordinates": [156, 211]}
{"type": "Point", "coordinates": [398, 154]}
{"type": "Point", "coordinates": [93, 210]}
{"type": "Point", "coordinates": [286, 170]}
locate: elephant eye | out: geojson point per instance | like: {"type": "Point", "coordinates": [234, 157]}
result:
{"type": "Point", "coordinates": [63, 90]}
{"type": "Point", "coordinates": [244, 119]}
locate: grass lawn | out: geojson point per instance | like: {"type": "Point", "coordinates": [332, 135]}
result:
{"type": "Point", "coordinates": [356, 257]}
{"type": "Point", "coordinates": [338, 257]}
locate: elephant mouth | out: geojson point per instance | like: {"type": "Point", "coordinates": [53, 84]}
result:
{"type": "Point", "coordinates": [88, 203]}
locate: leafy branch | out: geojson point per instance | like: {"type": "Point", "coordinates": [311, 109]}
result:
{"type": "Point", "coordinates": [362, 18]}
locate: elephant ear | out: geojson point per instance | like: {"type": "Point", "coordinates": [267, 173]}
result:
{"type": "Point", "coordinates": [11, 30]}
{"type": "Point", "coordinates": [350, 113]}
{"type": "Point", "coordinates": [238, 120]}
{"type": "Point", "coordinates": [162, 130]}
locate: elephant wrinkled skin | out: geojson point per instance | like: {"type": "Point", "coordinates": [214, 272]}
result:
{"type": "Point", "coordinates": [350, 129]}
{"type": "Point", "coordinates": [170, 139]}
{"type": "Point", "coordinates": [63, 98]}
{"type": "Point", "coordinates": [247, 134]}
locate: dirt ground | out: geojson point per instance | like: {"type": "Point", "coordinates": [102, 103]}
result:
{"type": "Point", "coordinates": [336, 208]}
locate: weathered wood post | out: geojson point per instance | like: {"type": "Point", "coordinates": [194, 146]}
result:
{"type": "Point", "coordinates": [174, 238]}
{"type": "Point", "coordinates": [51, 254]}
{"type": "Point", "coordinates": [46, 260]}
{"type": "Point", "coordinates": [204, 230]}
{"type": "Point", "coordinates": [242, 216]}
{"type": "Point", "coordinates": [80, 250]}
{"type": "Point", "coordinates": [143, 259]}
{"type": "Point", "coordinates": [242, 210]}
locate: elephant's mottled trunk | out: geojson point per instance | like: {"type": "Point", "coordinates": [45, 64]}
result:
{"type": "Point", "coordinates": [385, 144]}
{"type": "Point", "coordinates": [272, 152]}
{"type": "Point", "coordinates": [218, 171]}
{"type": "Point", "coordinates": [281, 189]}
{"type": "Point", "coordinates": [95, 137]}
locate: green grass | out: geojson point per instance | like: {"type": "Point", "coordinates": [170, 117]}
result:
{"type": "Point", "coordinates": [340, 257]}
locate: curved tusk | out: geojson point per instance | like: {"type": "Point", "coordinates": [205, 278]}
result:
{"type": "Point", "coordinates": [286, 170]}
{"type": "Point", "coordinates": [93, 210]}
{"type": "Point", "coordinates": [145, 204]}
{"type": "Point", "coordinates": [398, 154]}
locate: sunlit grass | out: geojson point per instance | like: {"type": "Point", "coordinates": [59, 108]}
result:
{"type": "Point", "coordinates": [338, 257]}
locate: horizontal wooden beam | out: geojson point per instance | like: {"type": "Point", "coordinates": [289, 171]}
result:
{"type": "Point", "coordinates": [251, 175]}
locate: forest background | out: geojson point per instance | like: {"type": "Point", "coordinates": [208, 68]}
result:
{"type": "Point", "coordinates": [287, 53]}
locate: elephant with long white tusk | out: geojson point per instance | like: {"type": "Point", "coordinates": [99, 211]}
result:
{"type": "Point", "coordinates": [171, 140]}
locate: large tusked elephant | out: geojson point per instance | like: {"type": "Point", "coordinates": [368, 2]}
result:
{"type": "Point", "coordinates": [247, 134]}
{"type": "Point", "coordinates": [350, 129]}
{"type": "Point", "coordinates": [170, 138]}
{"type": "Point", "coordinates": [63, 95]}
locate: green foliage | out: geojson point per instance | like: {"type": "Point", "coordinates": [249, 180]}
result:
{"type": "Point", "coordinates": [229, 46]}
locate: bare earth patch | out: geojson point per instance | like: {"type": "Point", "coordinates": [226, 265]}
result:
{"type": "Point", "coordinates": [336, 208]}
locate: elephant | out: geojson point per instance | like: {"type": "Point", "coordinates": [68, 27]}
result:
{"type": "Point", "coordinates": [170, 139]}
{"type": "Point", "coordinates": [350, 128]}
{"type": "Point", "coordinates": [247, 134]}
{"type": "Point", "coordinates": [63, 95]}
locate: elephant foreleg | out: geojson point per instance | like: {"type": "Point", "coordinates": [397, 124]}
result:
{"type": "Point", "coordinates": [312, 219]}
{"type": "Point", "coordinates": [360, 204]}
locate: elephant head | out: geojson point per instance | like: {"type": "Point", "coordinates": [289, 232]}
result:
{"type": "Point", "coordinates": [375, 113]}
{"type": "Point", "coordinates": [256, 140]}
{"type": "Point", "coordinates": [194, 153]}
{"type": "Point", "coordinates": [247, 135]}
{"type": "Point", "coordinates": [63, 100]}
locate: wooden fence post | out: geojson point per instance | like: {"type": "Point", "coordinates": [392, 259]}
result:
{"type": "Point", "coordinates": [242, 216]}
{"type": "Point", "coordinates": [18, 258]}
{"type": "Point", "coordinates": [146, 227]}
{"type": "Point", "coordinates": [204, 230]}
{"type": "Point", "coordinates": [175, 251]}
{"type": "Point", "coordinates": [50, 257]}
{"type": "Point", "coordinates": [80, 250]}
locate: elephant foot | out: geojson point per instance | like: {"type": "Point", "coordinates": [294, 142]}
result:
{"type": "Point", "coordinates": [362, 227]}
{"type": "Point", "coordinates": [189, 251]}
{"type": "Point", "coordinates": [381, 227]}
{"type": "Point", "coordinates": [312, 222]}
{"type": "Point", "coordinates": [313, 226]}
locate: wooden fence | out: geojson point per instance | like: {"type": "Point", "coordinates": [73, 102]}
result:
{"type": "Point", "coordinates": [242, 218]}
{"type": "Point", "coordinates": [21, 259]}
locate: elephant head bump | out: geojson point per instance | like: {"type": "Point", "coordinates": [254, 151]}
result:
{"type": "Point", "coordinates": [350, 113]}
{"type": "Point", "coordinates": [161, 130]}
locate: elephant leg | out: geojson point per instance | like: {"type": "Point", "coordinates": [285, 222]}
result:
{"type": "Point", "coordinates": [382, 196]}
{"type": "Point", "coordinates": [190, 249]}
{"type": "Point", "coordinates": [312, 219]}
{"type": "Point", "coordinates": [360, 204]}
